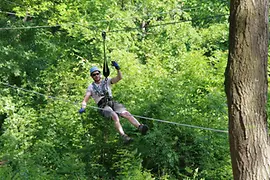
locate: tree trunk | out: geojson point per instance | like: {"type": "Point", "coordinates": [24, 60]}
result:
{"type": "Point", "coordinates": [246, 89]}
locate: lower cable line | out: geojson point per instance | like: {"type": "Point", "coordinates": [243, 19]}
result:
{"type": "Point", "coordinates": [94, 107]}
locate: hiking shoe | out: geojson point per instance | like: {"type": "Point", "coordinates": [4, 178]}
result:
{"type": "Point", "coordinates": [143, 129]}
{"type": "Point", "coordinates": [127, 139]}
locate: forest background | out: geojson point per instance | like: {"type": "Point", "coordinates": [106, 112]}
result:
{"type": "Point", "coordinates": [172, 55]}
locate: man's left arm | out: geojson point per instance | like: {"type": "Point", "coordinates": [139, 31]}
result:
{"type": "Point", "coordinates": [119, 73]}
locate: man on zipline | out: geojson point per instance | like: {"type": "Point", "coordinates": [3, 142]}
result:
{"type": "Point", "coordinates": [100, 91]}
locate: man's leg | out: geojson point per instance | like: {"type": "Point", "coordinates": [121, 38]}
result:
{"type": "Point", "coordinates": [119, 108]}
{"type": "Point", "coordinates": [142, 128]}
{"type": "Point", "coordinates": [119, 127]}
{"type": "Point", "coordinates": [130, 118]}
{"type": "Point", "coordinates": [117, 124]}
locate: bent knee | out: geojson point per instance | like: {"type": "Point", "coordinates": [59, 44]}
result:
{"type": "Point", "coordinates": [114, 116]}
{"type": "Point", "coordinates": [125, 113]}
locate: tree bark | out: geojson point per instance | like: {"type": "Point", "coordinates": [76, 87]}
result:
{"type": "Point", "coordinates": [246, 89]}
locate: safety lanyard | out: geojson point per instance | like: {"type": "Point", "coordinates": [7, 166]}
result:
{"type": "Point", "coordinates": [106, 70]}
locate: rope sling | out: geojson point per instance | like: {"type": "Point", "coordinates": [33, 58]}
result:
{"type": "Point", "coordinates": [106, 70]}
{"type": "Point", "coordinates": [103, 91]}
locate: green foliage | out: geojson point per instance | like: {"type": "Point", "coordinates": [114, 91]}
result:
{"type": "Point", "coordinates": [205, 13]}
{"type": "Point", "coordinates": [172, 59]}
{"type": "Point", "coordinates": [128, 166]}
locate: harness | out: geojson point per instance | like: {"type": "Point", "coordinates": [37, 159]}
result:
{"type": "Point", "coordinates": [102, 90]}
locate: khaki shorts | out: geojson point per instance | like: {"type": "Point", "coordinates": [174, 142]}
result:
{"type": "Point", "coordinates": [109, 107]}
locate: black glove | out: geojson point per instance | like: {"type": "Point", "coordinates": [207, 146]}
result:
{"type": "Point", "coordinates": [82, 110]}
{"type": "Point", "coordinates": [115, 65]}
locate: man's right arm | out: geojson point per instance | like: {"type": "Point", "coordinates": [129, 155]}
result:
{"type": "Point", "coordinates": [84, 102]}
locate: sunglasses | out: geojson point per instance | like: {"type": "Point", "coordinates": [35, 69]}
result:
{"type": "Point", "coordinates": [93, 75]}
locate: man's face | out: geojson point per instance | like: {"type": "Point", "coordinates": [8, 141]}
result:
{"type": "Point", "coordinates": [96, 75]}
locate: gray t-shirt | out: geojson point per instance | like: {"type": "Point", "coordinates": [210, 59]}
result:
{"type": "Point", "coordinates": [98, 91]}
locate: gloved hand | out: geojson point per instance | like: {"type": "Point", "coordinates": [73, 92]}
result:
{"type": "Point", "coordinates": [82, 110]}
{"type": "Point", "coordinates": [115, 65]}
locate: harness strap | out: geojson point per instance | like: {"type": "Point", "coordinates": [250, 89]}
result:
{"type": "Point", "coordinates": [106, 101]}
{"type": "Point", "coordinates": [100, 91]}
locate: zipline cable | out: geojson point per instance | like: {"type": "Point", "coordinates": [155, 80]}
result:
{"type": "Point", "coordinates": [94, 107]}
{"type": "Point", "coordinates": [149, 15]}
{"type": "Point", "coordinates": [129, 18]}
{"type": "Point", "coordinates": [28, 27]}
{"type": "Point", "coordinates": [119, 30]}
{"type": "Point", "coordinates": [111, 31]}
{"type": "Point", "coordinates": [125, 29]}
{"type": "Point", "coordinates": [15, 14]}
